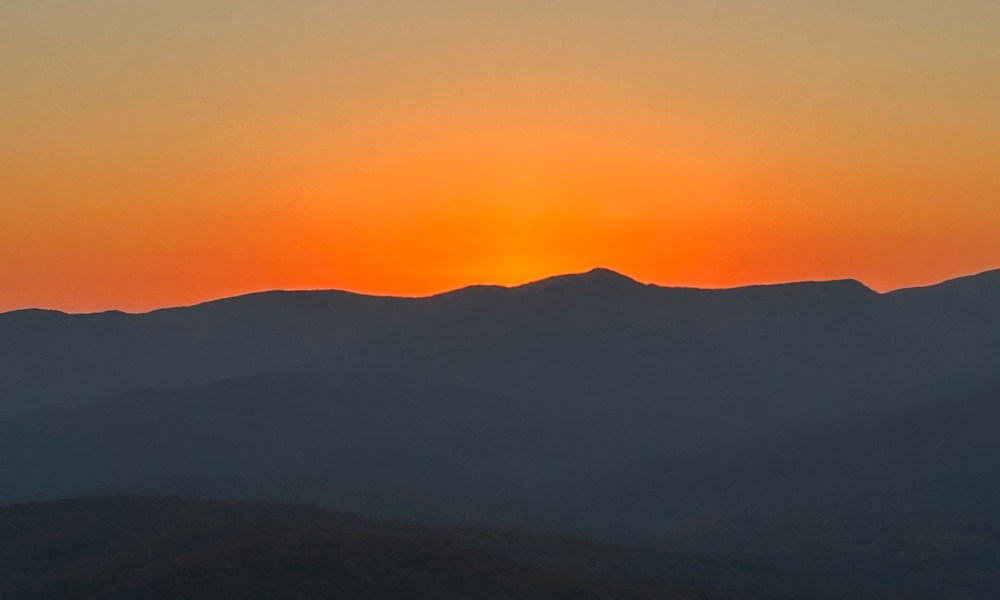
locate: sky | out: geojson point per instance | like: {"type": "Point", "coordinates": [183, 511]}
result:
{"type": "Point", "coordinates": [162, 153]}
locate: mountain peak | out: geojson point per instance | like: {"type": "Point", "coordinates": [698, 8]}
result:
{"type": "Point", "coordinates": [606, 274]}
{"type": "Point", "coordinates": [598, 277]}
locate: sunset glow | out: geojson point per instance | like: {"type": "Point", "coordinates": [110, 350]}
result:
{"type": "Point", "coordinates": [164, 153]}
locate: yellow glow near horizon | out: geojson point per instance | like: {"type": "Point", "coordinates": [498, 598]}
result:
{"type": "Point", "coordinates": [169, 152]}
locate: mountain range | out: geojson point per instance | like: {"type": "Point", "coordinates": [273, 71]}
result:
{"type": "Point", "coordinates": [818, 428]}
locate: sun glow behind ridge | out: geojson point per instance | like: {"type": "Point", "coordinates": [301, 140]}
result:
{"type": "Point", "coordinates": [172, 152]}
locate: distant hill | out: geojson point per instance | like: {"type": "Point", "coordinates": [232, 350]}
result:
{"type": "Point", "coordinates": [402, 447]}
{"type": "Point", "coordinates": [399, 444]}
{"type": "Point", "coordinates": [908, 498]}
{"type": "Point", "coordinates": [936, 455]}
{"type": "Point", "coordinates": [143, 548]}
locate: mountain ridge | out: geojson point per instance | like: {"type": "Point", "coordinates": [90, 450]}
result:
{"type": "Point", "coordinates": [127, 547]}
{"type": "Point", "coordinates": [597, 275]}
{"type": "Point", "coordinates": [582, 335]}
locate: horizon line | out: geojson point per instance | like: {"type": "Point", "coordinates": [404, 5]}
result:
{"type": "Point", "coordinates": [530, 283]}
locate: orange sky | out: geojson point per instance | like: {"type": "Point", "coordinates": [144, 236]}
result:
{"type": "Point", "coordinates": [163, 153]}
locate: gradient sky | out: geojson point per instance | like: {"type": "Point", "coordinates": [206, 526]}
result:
{"type": "Point", "coordinates": [165, 152]}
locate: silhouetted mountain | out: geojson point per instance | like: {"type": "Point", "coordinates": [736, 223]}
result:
{"type": "Point", "coordinates": [137, 548]}
{"type": "Point", "coordinates": [746, 421]}
{"type": "Point", "coordinates": [672, 366]}
{"type": "Point", "coordinates": [977, 289]}
{"type": "Point", "coordinates": [967, 303]}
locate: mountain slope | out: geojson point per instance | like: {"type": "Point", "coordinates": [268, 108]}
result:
{"type": "Point", "coordinates": [936, 455]}
{"type": "Point", "coordinates": [366, 432]}
{"type": "Point", "coordinates": [144, 547]}
{"type": "Point", "coordinates": [139, 548]}
{"type": "Point", "coordinates": [906, 499]}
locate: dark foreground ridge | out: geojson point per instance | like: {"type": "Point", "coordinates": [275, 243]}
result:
{"type": "Point", "coordinates": [143, 547]}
